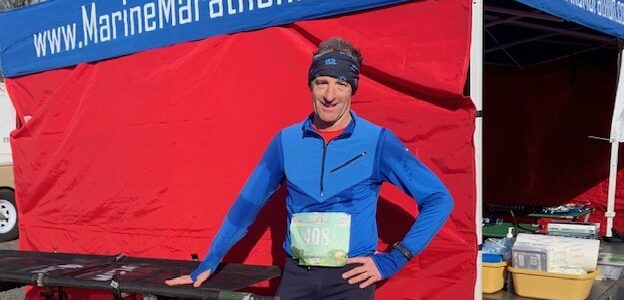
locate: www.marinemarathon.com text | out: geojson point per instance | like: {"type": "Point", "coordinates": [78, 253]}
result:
{"type": "Point", "coordinates": [97, 27]}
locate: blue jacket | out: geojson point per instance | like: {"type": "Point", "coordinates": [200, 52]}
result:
{"type": "Point", "coordinates": [344, 175]}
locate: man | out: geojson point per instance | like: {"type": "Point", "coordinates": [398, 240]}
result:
{"type": "Point", "coordinates": [333, 164]}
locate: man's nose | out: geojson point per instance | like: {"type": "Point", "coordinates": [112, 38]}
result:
{"type": "Point", "coordinates": [330, 93]}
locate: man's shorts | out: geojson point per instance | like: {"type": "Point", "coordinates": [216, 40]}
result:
{"type": "Point", "coordinates": [302, 282]}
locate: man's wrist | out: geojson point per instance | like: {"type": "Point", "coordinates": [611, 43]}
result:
{"type": "Point", "coordinates": [389, 263]}
{"type": "Point", "coordinates": [207, 264]}
{"type": "Point", "coordinates": [404, 251]}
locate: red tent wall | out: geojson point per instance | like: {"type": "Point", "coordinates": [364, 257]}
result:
{"type": "Point", "coordinates": [143, 154]}
{"type": "Point", "coordinates": [537, 150]}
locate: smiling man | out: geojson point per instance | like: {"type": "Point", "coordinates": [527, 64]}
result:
{"type": "Point", "coordinates": [333, 164]}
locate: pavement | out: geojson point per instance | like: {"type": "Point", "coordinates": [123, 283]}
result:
{"type": "Point", "coordinates": [14, 294]}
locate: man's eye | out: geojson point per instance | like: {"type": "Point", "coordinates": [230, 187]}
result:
{"type": "Point", "coordinates": [341, 83]}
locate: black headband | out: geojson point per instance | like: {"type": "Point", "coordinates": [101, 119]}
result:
{"type": "Point", "coordinates": [336, 64]}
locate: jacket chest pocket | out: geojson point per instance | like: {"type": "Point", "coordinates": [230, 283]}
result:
{"type": "Point", "coordinates": [348, 162]}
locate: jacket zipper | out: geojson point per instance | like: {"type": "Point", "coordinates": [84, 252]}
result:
{"type": "Point", "coordinates": [348, 162]}
{"type": "Point", "coordinates": [323, 165]}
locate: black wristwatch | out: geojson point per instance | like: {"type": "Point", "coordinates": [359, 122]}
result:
{"type": "Point", "coordinates": [403, 250]}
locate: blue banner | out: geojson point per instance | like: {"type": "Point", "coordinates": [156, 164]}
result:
{"type": "Point", "coordinates": [60, 33]}
{"type": "Point", "coordinates": [602, 15]}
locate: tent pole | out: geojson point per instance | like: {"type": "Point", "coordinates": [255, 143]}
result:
{"type": "Point", "coordinates": [615, 138]}
{"type": "Point", "coordinates": [476, 94]}
{"type": "Point", "coordinates": [610, 213]}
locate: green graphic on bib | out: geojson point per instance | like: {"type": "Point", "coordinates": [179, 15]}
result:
{"type": "Point", "coordinates": [320, 239]}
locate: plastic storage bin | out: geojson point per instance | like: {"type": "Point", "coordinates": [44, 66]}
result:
{"type": "Point", "coordinates": [493, 276]}
{"type": "Point", "coordinates": [553, 286]}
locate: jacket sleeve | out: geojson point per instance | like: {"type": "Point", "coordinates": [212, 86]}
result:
{"type": "Point", "coordinates": [400, 167]}
{"type": "Point", "coordinates": [262, 183]}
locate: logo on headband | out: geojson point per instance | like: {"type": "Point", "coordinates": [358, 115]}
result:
{"type": "Point", "coordinates": [330, 61]}
{"type": "Point", "coordinates": [342, 77]}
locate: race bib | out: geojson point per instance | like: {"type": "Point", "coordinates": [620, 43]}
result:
{"type": "Point", "coordinates": [320, 239]}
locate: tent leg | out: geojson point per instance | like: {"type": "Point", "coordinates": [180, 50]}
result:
{"type": "Point", "coordinates": [476, 94]}
{"type": "Point", "coordinates": [610, 213]}
{"type": "Point", "coordinates": [616, 136]}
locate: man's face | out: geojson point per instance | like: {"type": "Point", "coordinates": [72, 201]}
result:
{"type": "Point", "coordinates": [332, 100]}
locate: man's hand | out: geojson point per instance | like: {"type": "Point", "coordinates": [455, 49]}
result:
{"type": "Point", "coordinates": [366, 274]}
{"type": "Point", "coordinates": [186, 279]}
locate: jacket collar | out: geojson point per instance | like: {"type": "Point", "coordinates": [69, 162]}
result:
{"type": "Point", "coordinates": [308, 129]}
